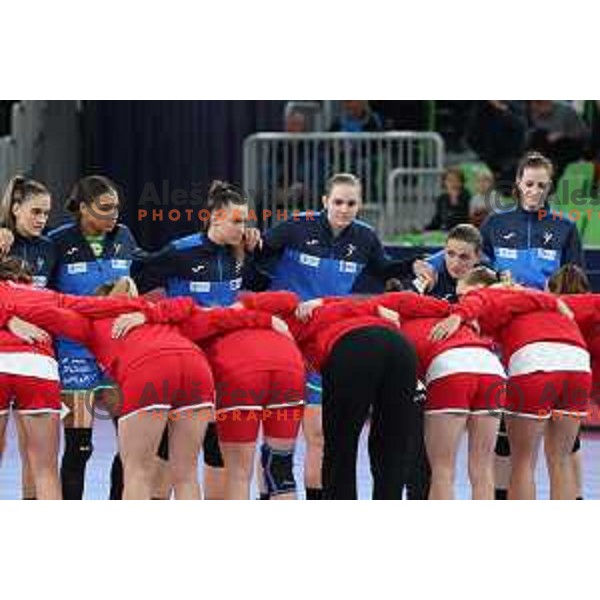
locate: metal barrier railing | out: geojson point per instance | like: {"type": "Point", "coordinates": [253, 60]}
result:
{"type": "Point", "coordinates": [411, 198]}
{"type": "Point", "coordinates": [8, 159]}
{"type": "Point", "coordinates": [288, 172]}
{"type": "Point", "coordinates": [18, 150]}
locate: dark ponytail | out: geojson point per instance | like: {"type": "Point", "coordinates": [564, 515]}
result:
{"type": "Point", "coordinates": [19, 190]}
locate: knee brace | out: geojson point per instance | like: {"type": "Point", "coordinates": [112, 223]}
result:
{"type": "Point", "coordinates": [212, 452]}
{"type": "Point", "coordinates": [163, 448]}
{"type": "Point", "coordinates": [78, 445]}
{"type": "Point", "coordinates": [278, 468]}
{"type": "Point", "coordinates": [502, 445]}
{"type": "Point", "coordinates": [78, 449]}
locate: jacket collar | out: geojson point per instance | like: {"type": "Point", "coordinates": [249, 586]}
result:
{"type": "Point", "coordinates": [535, 213]}
{"type": "Point", "coordinates": [326, 226]}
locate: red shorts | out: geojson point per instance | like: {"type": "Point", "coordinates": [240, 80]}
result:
{"type": "Point", "coordinates": [176, 382]}
{"type": "Point", "coordinates": [542, 393]}
{"type": "Point", "coordinates": [595, 393]}
{"type": "Point", "coordinates": [475, 393]}
{"type": "Point", "coordinates": [31, 395]}
{"type": "Point", "coordinates": [273, 398]}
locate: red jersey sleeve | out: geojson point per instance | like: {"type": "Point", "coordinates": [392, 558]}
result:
{"type": "Point", "coordinates": [276, 303]}
{"type": "Point", "coordinates": [101, 307]}
{"type": "Point", "coordinates": [5, 317]}
{"type": "Point", "coordinates": [203, 324]}
{"type": "Point", "coordinates": [171, 310]}
{"type": "Point", "coordinates": [344, 309]}
{"type": "Point", "coordinates": [586, 309]}
{"type": "Point", "coordinates": [410, 305]}
{"type": "Point", "coordinates": [56, 321]}
{"type": "Point", "coordinates": [500, 306]}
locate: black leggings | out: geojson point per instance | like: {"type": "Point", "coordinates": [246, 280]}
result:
{"type": "Point", "coordinates": [419, 471]}
{"type": "Point", "coordinates": [369, 369]}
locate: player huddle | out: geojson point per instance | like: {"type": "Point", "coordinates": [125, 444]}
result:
{"type": "Point", "coordinates": [257, 338]}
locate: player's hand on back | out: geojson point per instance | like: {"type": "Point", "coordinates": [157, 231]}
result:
{"type": "Point", "coordinates": [126, 323]}
{"type": "Point", "coordinates": [28, 332]}
{"type": "Point", "coordinates": [280, 326]}
{"type": "Point", "coordinates": [563, 309]}
{"type": "Point", "coordinates": [389, 315]}
{"type": "Point", "coordinates": [305, 310]}
{"type": "Point", "coordinates": [445, 328]}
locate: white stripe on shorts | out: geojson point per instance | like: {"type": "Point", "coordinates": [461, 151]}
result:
{"type": "Point", "coordinates": [285, 404]}
{"type": "Point", "coordinates": [548, 357]}
{"type": "Point", "coordinates": [29, 364]}
{"type": "Point", "coordinates": [464, 360]}
{"type": "Point", "coordinates": [207, 404]}
{"type": "Point", "coordinates": [260, 406]}
{"type": "Point", "coordinates": [145, 409]}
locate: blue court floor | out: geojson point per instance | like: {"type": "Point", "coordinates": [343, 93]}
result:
{"type": "Point", "coordinates": [98, 473]}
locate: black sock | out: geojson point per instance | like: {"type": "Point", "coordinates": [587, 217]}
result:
{"type": "Point", "coordinates": [500, 494]}
{"type": "Point", "coordinates": [78, 449]}
{"type": "Point", "coordinates": [314, 493]}
{"type": "Point", "coordinates": [264, 496]}
{"type": "Point", "coordinates": [116, 479]}
{"type": "Point", "coordinates": [579, 498]}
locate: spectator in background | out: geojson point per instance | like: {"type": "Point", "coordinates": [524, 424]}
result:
{"type": "Point", "coordinates": [594, 119]}
{"type": "Point", "coordinates": [290, 169]}
{"type": "Point", "coordinates": [496, 131]}
{"type": "Point", "coordinates": [453, 205]}
{"type": "Point", "coordinates": [295, 122]}
{"type": "Point", "coordinates": [486, 199]}
{"type": "Point", "coordinates": [451, 119]}
{"type": "Point", "coordinates": [402, 115]}
{"type": "Point", "coordinates": [357, 116]}
{"type": "Point", "coordinates": [557, 131]}
{"type": "Point", "coordinates": [292, 190]}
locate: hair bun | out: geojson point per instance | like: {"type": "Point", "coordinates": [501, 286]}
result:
{"type": "Point", "coordinates": [218, 188]}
